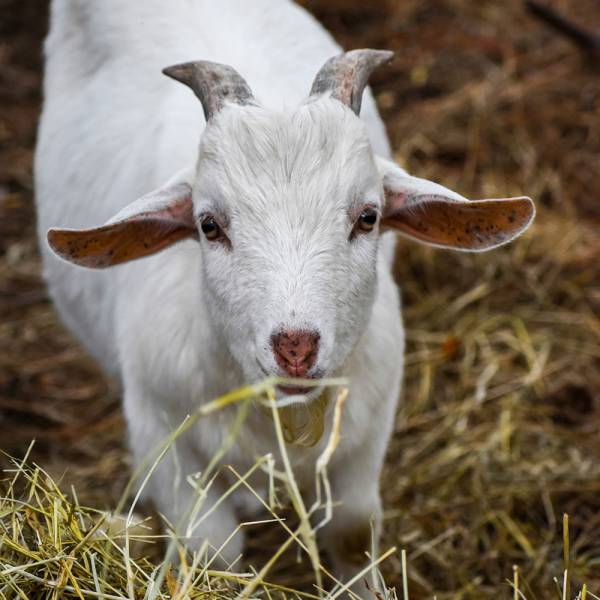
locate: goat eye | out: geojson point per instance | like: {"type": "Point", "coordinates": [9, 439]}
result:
{"type": "Point", "coordinates": [366, 221]}
{"type": "Point", "coordinates": [211, 229]}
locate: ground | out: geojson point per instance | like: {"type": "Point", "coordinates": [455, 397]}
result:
{"type": "Point", "coordinates": [499, 430]}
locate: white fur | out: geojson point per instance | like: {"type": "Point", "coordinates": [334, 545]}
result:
{"type": "Point", "coordinates": [188, 324]}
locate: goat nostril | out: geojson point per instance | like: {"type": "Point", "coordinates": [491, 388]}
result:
{"type": "Point", "coordinates": [295, 351]}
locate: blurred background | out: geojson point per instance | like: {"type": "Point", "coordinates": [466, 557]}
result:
{"type": "Point", "coordinates": [499, 430]}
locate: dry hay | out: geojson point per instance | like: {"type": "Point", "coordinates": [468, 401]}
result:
{"type": "Point", "coordinates": [498, 435]}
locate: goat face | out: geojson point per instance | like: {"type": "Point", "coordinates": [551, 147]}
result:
{"type": "Point", "coordinates": [287, 206]}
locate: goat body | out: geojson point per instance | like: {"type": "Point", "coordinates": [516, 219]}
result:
{"type": "Point", "coordinates": [279, 179]}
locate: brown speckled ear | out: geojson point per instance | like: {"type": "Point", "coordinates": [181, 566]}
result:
{"type": "Point", "coordinates": [474, 225]}
{"type": "Point", "coordinates": [148, 225]}
{"type": "Point", "coordinates": [430, 213]}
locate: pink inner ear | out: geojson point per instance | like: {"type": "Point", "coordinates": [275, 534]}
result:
{"type": "Point", "coordinates": [132, 236]}
{"type": "Point", "coordinates": [396, 199]}
{"type": "Point", "coordinates": [179, 210]}
{"type": "Point", "coordinates": [405, 199]}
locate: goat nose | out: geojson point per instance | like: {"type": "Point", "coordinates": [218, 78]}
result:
{"type": "Point", "coordinates": [295, 351]}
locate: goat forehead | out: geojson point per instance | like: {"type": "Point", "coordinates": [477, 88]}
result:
{"type": "Point", "coordinates": [319, 149]}
{"type": "Point", "coordinates": [284, 254]}
{"type": "Point", "coordinates": [303, 225]}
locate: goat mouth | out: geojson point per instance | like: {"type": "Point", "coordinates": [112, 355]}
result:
{"type": "Point", "coordinates": [294, 390]}
{"type": "Point", "coordinates": [289, 390]}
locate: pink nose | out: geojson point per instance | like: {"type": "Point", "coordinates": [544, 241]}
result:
{"type": "Point", "coordinates": [295, 351]}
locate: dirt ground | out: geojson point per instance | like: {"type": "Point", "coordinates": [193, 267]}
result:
{"type": "Point", "coordinates": [499, 431]}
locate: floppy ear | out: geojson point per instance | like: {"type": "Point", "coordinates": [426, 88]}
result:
{"type": "Point", "coordinates": [148, 225]}
{"type": "Point", "coordinates": [435, 215]}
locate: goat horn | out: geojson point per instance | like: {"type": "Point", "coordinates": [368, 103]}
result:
{"type": "Point", "coordinates": [213, 83]}
{"type": "Point", "coordinates": [347, 75]}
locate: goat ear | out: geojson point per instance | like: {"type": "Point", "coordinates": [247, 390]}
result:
{"type": "Point", "coordinates": [435, 215]}
{"type": "Point", "coordinates": [148, 225]}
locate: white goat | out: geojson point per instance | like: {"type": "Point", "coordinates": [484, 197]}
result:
{"type": "Point", "coordinates": [276, 205]}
